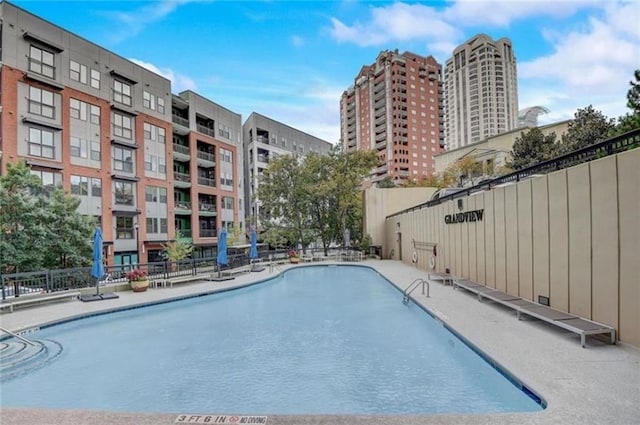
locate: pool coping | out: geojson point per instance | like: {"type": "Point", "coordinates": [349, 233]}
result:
{"type": "Point", "coordinates": [620, 407]}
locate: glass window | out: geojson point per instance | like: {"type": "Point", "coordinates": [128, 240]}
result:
{"type": "Point", "coordinates": [121, 92]}
{"type": "Point", "coordinates": [96, 187]}
{"type": "Point", "coordinates": [95, 79]}
{"type": "Point", "coordinates": [124, 227]}
{"type": "Point", "coordinates": [163, 195]}
{"type": "Point", "coordinates": [122, 126]}
{"type": "Point", "coordinates": [95, 151]}
{"type": "Point", "coordinates": [123, 193]}
{"type": "Point", "coordinates": [161, 105]}
{"type": "Point", "coordinates": [42, 62]}
{"type": "Point", "coordinates": [77, 72]}
{"type": "Point", "coordinates": [41, 102]}
{"type": "Point", "coordinates": [41, 143]}
{"type": "Point", "coordinates": [94, 114]}
{"type": "Point", "coordinates": [122, 159]}
{"type": "Point", "coordinates": [50, 180]}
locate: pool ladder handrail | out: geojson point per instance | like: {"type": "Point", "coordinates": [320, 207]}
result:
{"type": "Point", "coordinates": [412, 287]}
{"type": "Point", "coordinates": [15, 335]}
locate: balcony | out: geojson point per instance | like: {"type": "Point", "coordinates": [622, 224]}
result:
{"type": "Point", "coordinates": [206, 159]}
{"type": "Point", "coordinates": [183, 207]}
{"type": "Point", "coordinates": [380, 170]}
{"type": "Point", "coordinates": [381, 145]}
{"type": "Point", "coordinates": [181, 179]}
{"type": "Point", "coordinates": [181, 153]}
{"type": "Point", "coordinates": [208, 233]}
{"type": "Point", "coordinates": [380, 137]}
{"type": "Point", "coordinates": [206, 130]}
{"type": "Point", "coordinates": [206, 181]}
{"type": "Point", "coordinates": [206, 209]}
{"type": "Point", "coordinates": [263, 158]}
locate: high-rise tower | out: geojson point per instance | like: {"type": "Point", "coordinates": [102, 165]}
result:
{"type": "Point", "coordinates": [481, 91]}
{"type": "Point", "coordinates": [395, 108]}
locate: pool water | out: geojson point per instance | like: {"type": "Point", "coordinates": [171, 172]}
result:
{"type": "Point", "coordinates": [316, 340]}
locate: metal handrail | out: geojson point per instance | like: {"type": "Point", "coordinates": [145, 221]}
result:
{"type": "Point", "coordinates": [412, 288]}
{"type": "Point", "coordinates": [25, 340]}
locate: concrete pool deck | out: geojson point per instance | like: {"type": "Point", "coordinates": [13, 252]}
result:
{"type": "Point", "coordinates": [599, 384]}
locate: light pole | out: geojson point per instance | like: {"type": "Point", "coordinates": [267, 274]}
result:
{"type": "Point", "coordinates": [137, 229]}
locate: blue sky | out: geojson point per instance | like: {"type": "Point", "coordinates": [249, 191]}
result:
{"type": "Point", "coordinates": [291, 60]}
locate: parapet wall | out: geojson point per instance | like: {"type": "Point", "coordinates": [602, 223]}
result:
{"type": "Point", "coordinates": [572, 236]}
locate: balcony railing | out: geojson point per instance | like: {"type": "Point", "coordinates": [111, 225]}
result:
{"type": "Point", "coordinates": [180, 121]}
{"type": "Point", "coordinates": [206, 181]}
{"type": "Point", "coordinates": [207, 156]}
{"type": "Point", "coordinates": [208, 233]}
{"type": "Point", "coordinates": [206, 130]}
{"type": "Point", "coordinates": [181, 149]}
{"type": "Point", "coordinates": [186, 233]}
{"type": "Point", "coordinates": [263, 158]}
{"type": "Point", "coordinates": [202, 206]}
{"type": "Point", "coordinates": [183, 177]}
{"type": "Point", "coordinates": [183, 205]}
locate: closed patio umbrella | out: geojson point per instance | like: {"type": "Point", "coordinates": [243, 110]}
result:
{"type": "Point", "coordinates": [97, 268]}
{"type": "Point", "coordinates": [222, 259]}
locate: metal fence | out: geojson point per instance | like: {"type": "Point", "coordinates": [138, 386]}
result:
{"type": "Point", "coordinates": [621, 143]}
{"type": "Point", "coordinates": [47, 281]}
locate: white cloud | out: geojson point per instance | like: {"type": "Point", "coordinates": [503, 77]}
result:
{"type": "Point", "coordinates": [297, 41]}
{"type": "Point", "coordinates": [590, 66]}
{"type": "Point", "coordinates": [131, 23]}
{"type": "Point", "coordinates": [501, 13]}
{"type": "Point", "coordinates": [179, 82]}
{"type": "Point", "coordinates": [396, 22]}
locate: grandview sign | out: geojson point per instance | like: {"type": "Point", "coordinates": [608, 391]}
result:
{"type": "Point", "coordinates": [475, 215]}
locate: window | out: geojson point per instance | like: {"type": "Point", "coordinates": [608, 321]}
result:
{"type": "Point", "coordinates": [154, 133]}
{"type": "Point", "coordinates": [42, 62]}
{"type": "Point", "coordinates": [50, 180]}
{"type": "Point", "coordinates": [161, 107]}
{"type": "Point", "coordinates": [122, 126]}
{"type": "Point", "coordinates": [95, 79]}
{"type": "Point", "coordinates": [94, 114]}
{"type": "Point", "coordinates": [123, 193]}
{"type": "Point", "coordinates": [152, 225]}
{"type": "Point", "coordinates": [41, 102]}
{"type": "Point", "coordinates": [41, 143]}
{"type": "Point", "coordinates": [226, 179]}
{"type": "Point", "coordinates": [81, 148]}
{"type": "Point", "coordinates": [224, 131]}
{"type": "Point", "coordinates": [96, 188]}
{"type": "Point", "coordinates": [122, 159]}
{"type": "Point", "coordinates": [77, 72]}
{"type": "Point", "coordinates": [227, 203]}
{"type": "Point", "coordinates": [78, 109]}
{"type": "Point", "coordinates": [225, 156]}
{"type": "Point", "coordinates": [124, 227]}
{"type": "Point", "coordinates": [121, 92]}
{"type": "Point", "coordinates": [79, 185]}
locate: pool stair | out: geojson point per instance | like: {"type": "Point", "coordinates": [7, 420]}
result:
{"type": "Point", "coordinates": [412, 287]}
{"type": "Point", "coordinates": [19, 355]}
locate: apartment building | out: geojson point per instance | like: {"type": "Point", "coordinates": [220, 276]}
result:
{"type": "Point", "coordinates": [395, 108]}
{"type": "Point", "coordinates": [97, 124]}
{"type": "Point", "coordinates": [481, 91]}
{"type": "Point", "coordinates": [207, 171]}
{"type": "Point", "coordinates": [265, 139]}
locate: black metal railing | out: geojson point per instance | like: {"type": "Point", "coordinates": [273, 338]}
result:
{"type": "Point", "coordinates": [617, 144]}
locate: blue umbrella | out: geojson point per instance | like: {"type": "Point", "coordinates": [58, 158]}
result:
{"type": "Point", "coordinates": [222, 250]}
{"type": "Point", "coordinates": [253, 253]}
{"type": "Point", "coordinates": [97, 268]}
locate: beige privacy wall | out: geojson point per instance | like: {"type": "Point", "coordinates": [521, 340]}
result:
{"type": "Point", "coordinates": [572, 236]}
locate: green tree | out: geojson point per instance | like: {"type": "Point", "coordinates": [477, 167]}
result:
{"type": "Point", "coordinates": [386, 183]}
{"type": "Point", "coordinates": [283, 192]}
{"type": "Point", "coordinates": [69, 242]}
{"type": "Point", "coordinates": [588, 127]}
{"type": "Point", "coordinates": [38, 230]}
{"type": "Point", "coordinates": [630, 121]}
{"type": "Point", "coordinates": [178, 249]}
{"type": "Point", "coordinates": [532, 147]}
{"type": "Point", "coordinates": [633, 95]}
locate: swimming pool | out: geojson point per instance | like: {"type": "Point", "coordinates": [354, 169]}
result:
{"type": "Point", "coordinates": [322, 339]}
